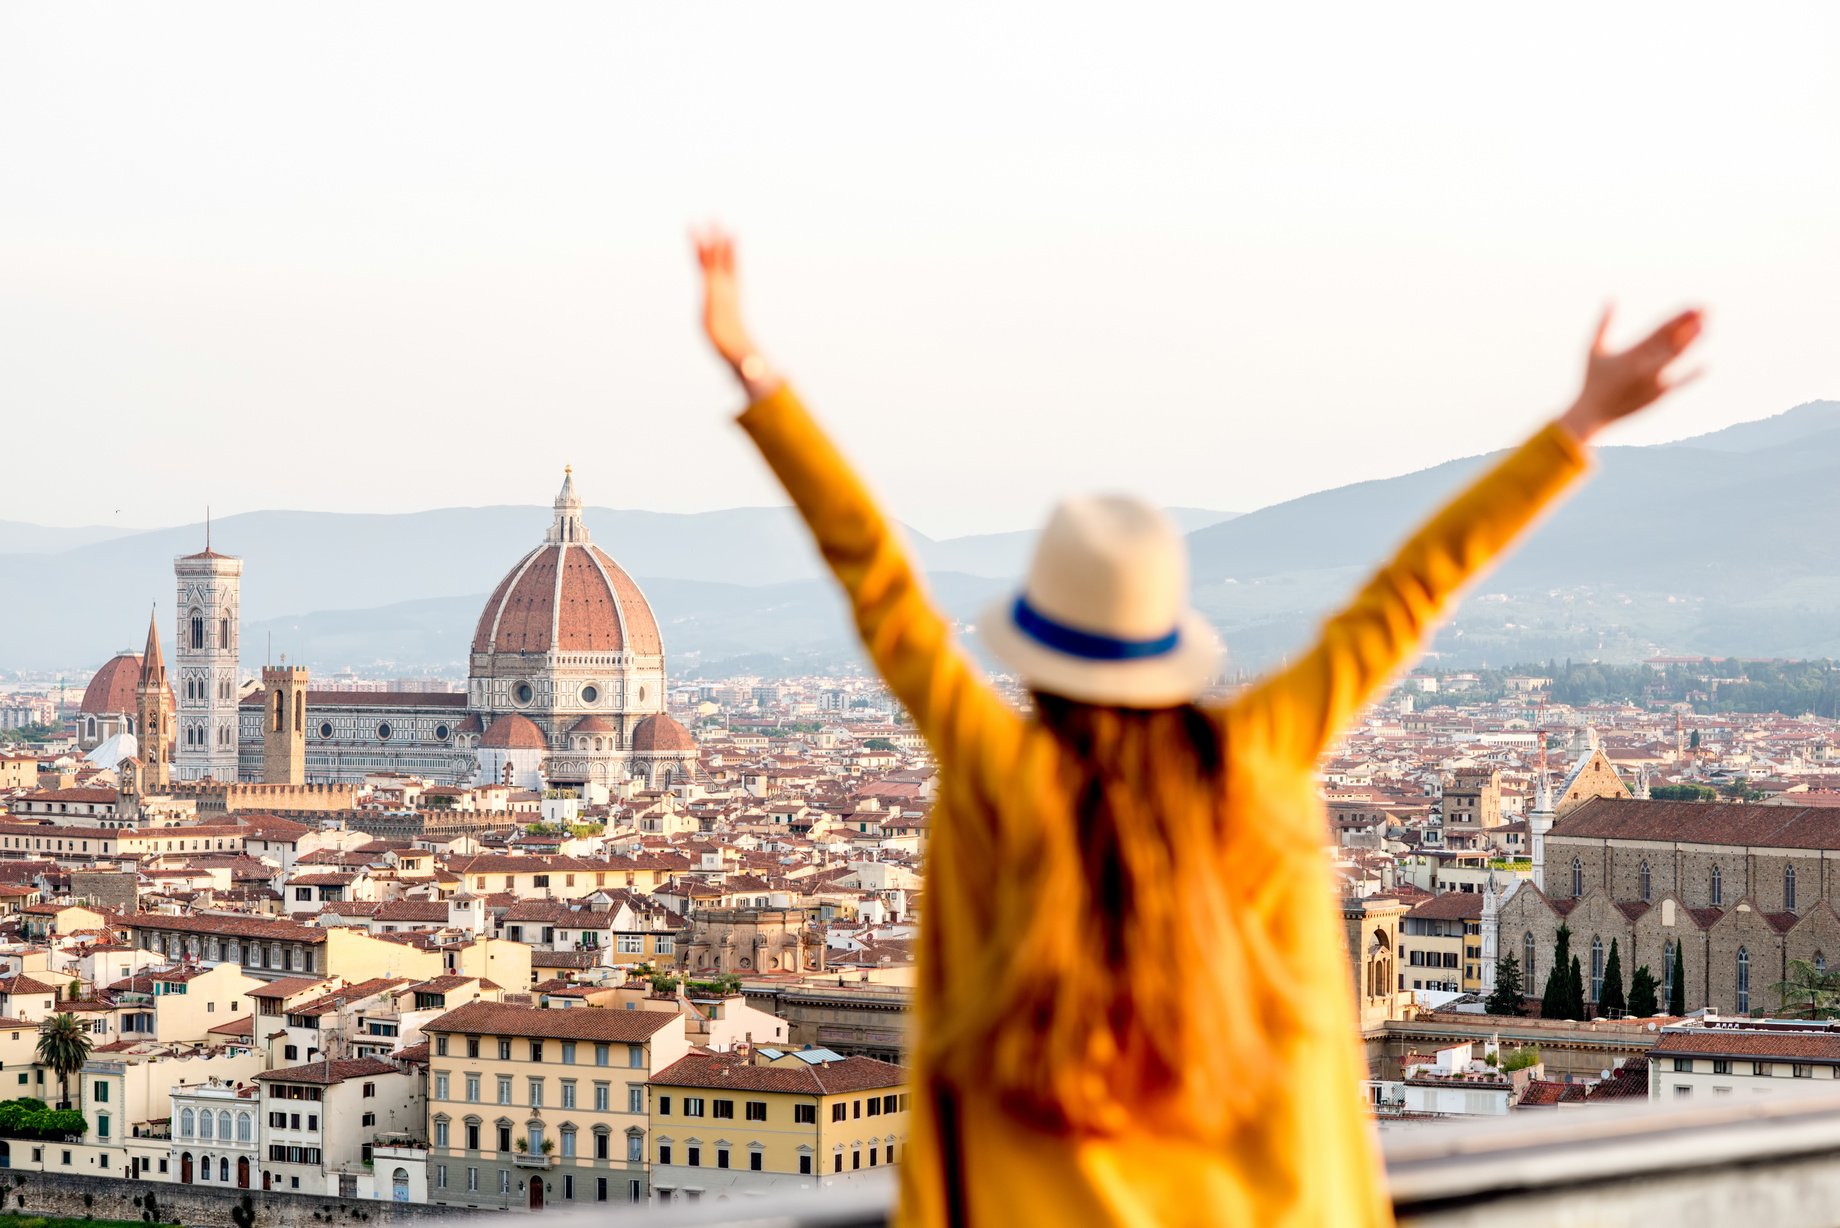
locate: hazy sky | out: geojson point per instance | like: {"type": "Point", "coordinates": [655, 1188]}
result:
{"type": "Point", "coordinates": [395, 256]}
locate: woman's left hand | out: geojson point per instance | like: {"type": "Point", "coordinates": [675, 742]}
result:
{"type": "Point", "coordinates": [715, 253]}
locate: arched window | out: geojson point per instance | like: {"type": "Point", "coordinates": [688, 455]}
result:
{"type": "Point", "coordinates": [223, 1168]}
{"type": "Point", "coordinates": [1789, 888]}
{"type": "Point", "coordinates": [1820, 962]}
{"type": "Point", "coordinates": [1527, 980]}
{"type": "Point", "coordinates": [186, 1119]}
{"type": "Point", "coordinates": [1648, 885]}
{"type": "Point", "coordinates": [1597, 967]}
{"type": "Point", "coordinates": [197, 629]}
{"type": "Point", "coordinates": [1577, 878]}
{"type": "Point", "coordinates": [205, 1124]}
{"type": "Point", "coordinates": [1718, 886]}
{"type": "Point", "coordinates": [1744, 981]}
{"type": "Point", "coordinates": [280, 709]}
{"type": "Point", "coordinates": [223, 1125]}
{"type": "Point", "coordinates": [223, 633]}
{"type": "Point", "coordinates": [300, 709]}
{"type": "Point", "coordinates": [1667, 973]}
{"type": "Point", "coordinates": [245, 1126]}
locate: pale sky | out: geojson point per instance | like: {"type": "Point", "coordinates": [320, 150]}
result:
{"type": "Point", "coordinates": [386, 257]}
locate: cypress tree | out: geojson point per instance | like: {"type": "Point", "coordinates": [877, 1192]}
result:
{"type": "Point", "coordinates": [1610, 999]}
{"type": "Point", "coordinates": [1643, 1001]}
{"type": "Point", "coordinates": [1506, 998]}
{"type": "Point", "coordinates": [1557, 998]}
{"type": "Point", "coordinates": [1574, 1003]}
{"type": "Point", "coordinates": [1677, 992]}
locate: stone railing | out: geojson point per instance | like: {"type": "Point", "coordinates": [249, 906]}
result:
{"type": "Point", "coordinates": [1772, 1161]}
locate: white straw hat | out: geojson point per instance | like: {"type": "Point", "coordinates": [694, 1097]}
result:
{"type": "Point", "coordinates": [1103, 616]}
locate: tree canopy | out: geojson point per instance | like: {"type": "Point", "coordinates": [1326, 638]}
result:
{"type": "Point", "coordinates": [1643, 994]}
{"type": "Point", "coordinates": [1506, 997]}
{"type": "Point", "coordinates": [1610, 999]}
{"type": "Point", "coordinates": [63, 1048]}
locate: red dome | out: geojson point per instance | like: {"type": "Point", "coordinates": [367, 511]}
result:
{"type": "Point", "coordinates": [112, 689]}
{"type": "Point", "coordinates": [594, 724]}
{"type": "Point", "coordinates": [661, 733]}
{"type": "Point", "coordinates": [514, 732]}
{"type": "Point", "coordinates": [568, 597]}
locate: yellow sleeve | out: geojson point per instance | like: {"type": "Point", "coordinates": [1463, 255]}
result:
{"type": "Point", "coordinates": [1299, 711]}
{"type": "Point", "coordinates": [911, 644]}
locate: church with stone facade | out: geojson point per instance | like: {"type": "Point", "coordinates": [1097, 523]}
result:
{"type": "Point", "coordinates": [1738, 889]}
{"type": "Point", "coordinates": [565, 688]}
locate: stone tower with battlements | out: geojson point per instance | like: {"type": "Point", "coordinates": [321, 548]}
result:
{"type": "Point", "coordinates": [209, 598]}
{"type": "Point", "coordinates": [284, 724]}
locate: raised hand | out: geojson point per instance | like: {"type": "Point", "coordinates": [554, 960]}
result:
{"type": "Point", "coordinates": [715, 253]}
{"type": "Point", "coordinates": [1619, 384]}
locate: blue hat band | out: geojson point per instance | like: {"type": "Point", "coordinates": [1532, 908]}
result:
{"type": "Point", "coordinates": [1073, 642]}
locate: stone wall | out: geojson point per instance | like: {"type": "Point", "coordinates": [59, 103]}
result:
{"type": "Point", "coordinates": [116, 890]}
{"type": "Point", "coordinates": [196, 1206]}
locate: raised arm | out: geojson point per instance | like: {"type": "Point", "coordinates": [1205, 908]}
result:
{"type": "Point", "coordinates": [1299, 711]}
{"type": "Point", "coordinates": [911, 644]}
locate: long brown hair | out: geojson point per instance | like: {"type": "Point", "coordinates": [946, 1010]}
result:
{"type": "Point", "coordinates": [1130, 992]}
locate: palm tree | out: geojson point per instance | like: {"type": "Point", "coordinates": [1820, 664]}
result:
{"type": "Point", "coordinates": [1807, 983]}
{"type": "Point", "coordinates": [63, 1047]}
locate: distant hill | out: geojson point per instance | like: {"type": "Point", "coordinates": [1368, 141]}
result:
{"type": "Point", "coordinates": [1724, 543]}
{"type": "Point", "coordinates": [340, 567]}
{"type": "Point", "coordinates": [1814, 418]}
{"type": "Point", "coordinates": [18, 537]}
{"type": "Point", "coordinates": [800, 625]}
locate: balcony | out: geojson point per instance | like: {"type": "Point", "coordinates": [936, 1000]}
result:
{"type": "Point", "coordinates": [532, 1159]}
{"type": "Point", "coordinates": [1772, 1161]}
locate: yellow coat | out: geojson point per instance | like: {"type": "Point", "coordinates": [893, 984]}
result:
{"type": "Point", "coordinates": [1312, 1157]}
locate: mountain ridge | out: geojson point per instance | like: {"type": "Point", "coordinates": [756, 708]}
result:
{"type": "Point", "coordinates": [1715, 543]}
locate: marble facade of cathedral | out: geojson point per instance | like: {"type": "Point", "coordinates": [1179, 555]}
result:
{"type": "Point", "coordinates": [566, 687]}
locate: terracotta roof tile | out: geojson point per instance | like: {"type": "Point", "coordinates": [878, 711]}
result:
{"type": "Point", "coordinates": [325, 1074]}
{"type": "Point", "coordinates": [1732, 823]}
{"type": "Point", "coordinates": [1786, 1045]}
{"type": "Point", "coordinates": [567, 598]}
{"type": "Point", "coordinates": [1450, 906]}
{"type": "Point", "coordinates": [722, 1070]}
{"type": "Point", "coordinates": [576, 1023]}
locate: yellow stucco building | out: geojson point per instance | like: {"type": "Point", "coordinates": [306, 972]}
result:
{"type": "Point", "coordinates": [530, 1108]}
{"type": "Point", "coordinates": [725, 1124]}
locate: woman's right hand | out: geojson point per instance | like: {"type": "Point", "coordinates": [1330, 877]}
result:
{"type": "Point", "coordinates": [715, 253]}
{"type": "Point", "coordinates": [1617, 385]}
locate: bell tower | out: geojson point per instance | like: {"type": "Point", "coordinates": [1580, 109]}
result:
{"type": "Point", "coordinates": [284, 724]}
{"type": "Point", "coordinates": [153, 716]}
{"type": "Point", "coordinates": [209, 597]}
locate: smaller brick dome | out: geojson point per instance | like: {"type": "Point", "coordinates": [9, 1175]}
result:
{"type": "Point", "coordinates": [514, 732]}
{"type": "Point", "coordinates": [661, 733]}
{"type": "Point", "coordinates": [594, 724]}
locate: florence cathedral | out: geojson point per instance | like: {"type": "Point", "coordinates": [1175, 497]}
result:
{"type": "Point", "coordinates": [565, 687]}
